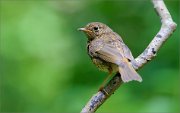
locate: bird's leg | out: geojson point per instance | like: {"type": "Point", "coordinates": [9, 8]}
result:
{"type": "Point", "coordinates": [104, 82]}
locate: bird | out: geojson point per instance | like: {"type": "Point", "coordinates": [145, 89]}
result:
{"type": "Point", "coordinates": [109, 53]}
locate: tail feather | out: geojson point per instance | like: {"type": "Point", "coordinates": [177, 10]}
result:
{"type": "Point", "coordinates": [128, 73]}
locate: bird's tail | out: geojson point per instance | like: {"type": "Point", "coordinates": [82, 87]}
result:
{"type": "Point", "coordinates": [128, 73]}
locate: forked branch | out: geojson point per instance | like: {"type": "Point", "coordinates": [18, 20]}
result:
{"type": "Point", "coordinates": [168, 26]}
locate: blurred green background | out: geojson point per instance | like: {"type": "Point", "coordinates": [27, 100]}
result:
{"type": "Point", "coordinates": [44, 66]}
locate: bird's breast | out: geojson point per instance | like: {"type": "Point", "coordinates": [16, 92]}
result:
{"type": "Point", "coordinates": [104, 66]}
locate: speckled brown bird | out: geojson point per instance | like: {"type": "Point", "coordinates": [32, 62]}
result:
{"type": "Point", "coordinates": [108, 51]}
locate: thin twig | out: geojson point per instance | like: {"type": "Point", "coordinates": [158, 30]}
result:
{"type": "Point", "coordinates": [167, 28]}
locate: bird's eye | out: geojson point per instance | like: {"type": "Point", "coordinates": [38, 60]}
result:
{"type": "Point", "coordinates": [96, 28]}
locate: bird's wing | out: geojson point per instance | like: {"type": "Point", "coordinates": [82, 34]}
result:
{"type": "Point", "coordinates": [110, 48]}
{"type": "Point", "coordinates": [126, 50]}
{"type": "Point", "coordinates": [110, 53]}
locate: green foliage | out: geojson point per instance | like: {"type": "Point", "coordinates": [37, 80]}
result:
{"type": "Point", "coordinates": [44, 66]}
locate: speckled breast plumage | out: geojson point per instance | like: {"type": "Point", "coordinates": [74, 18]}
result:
{"type": "Point", "coordinates": [103, 66]}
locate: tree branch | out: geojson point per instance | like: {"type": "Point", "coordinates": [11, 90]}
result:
{"type": "Point", "coordinates": [167, 28]}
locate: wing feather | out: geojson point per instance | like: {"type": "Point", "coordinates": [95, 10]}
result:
{"type": "Point", "coordinates": [110, 54]}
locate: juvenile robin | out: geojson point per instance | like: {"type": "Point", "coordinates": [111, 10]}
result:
{"type": "Point", "coordinates": [109, 53]}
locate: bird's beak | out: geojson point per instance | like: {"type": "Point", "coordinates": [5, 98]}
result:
{"type": "Point", "coordinates": [81, 29]}
{"type": "Point", "coordinates": [84, 29]}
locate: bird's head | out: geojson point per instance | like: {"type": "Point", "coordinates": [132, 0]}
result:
{"type": "Point", "coordinates": [95, 29]}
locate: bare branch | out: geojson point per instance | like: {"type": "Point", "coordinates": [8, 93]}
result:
{"type": "Point", "coordinates": [167, 28]}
